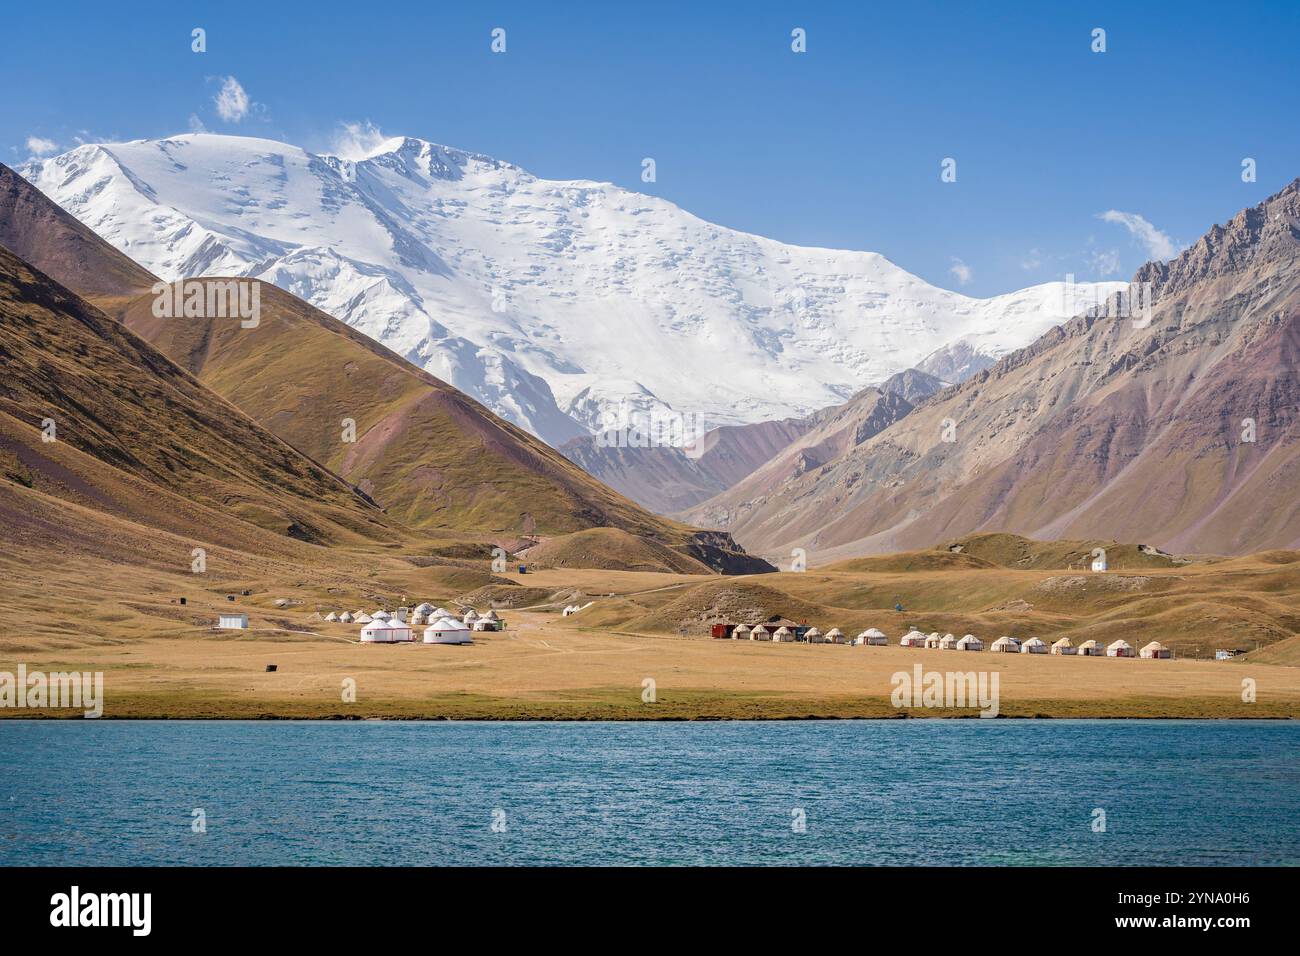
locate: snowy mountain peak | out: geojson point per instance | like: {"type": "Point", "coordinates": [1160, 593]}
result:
{"type": "Point", "coordinates": [559, 305]}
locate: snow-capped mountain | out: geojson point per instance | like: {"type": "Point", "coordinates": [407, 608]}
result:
{"type": "Point", "coordinates": [562, 306]}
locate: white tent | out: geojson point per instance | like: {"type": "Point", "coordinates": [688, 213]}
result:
{"type": "Point", "coordinates": [814, 636]}
{"type": "Point", "coordinates": [402, 632]}
{"type": "Point", "coordinates": [1091, 649]}
{"type": "Point", "coordinates": [471, 616]}
{"type": "Point", "coordinates": [438, 612]}
{"type": "Point", "coordinates": [948, 642]}
{"type": "Point", "coordinates": [783, 635]}
{"type": "Point", "coordinates": [1063, 646]}
{"type": "Point", "coordinates": [331, 617]}
{"type": "Point", "coordinates": [834, 636]}
{"type": "Point", "coordinates": [759, 633]}
{"type": "Point", "coordinates": [447, 630]}
{"type": "Point", "coordinates": [491, 615]}
{"type": "Point", "coordinates": [1120, 648]}
{"type": "Point", "coordinates": [363, 618]}
{"type": "Point", "coordinates": [346, 617]}
{"type": "Point", "coordinates": [419, 620]}
{"type": "Point", "coordinates": [913, 639]}
{"type": "Point", "coordinates": [1005, 645]}
{"type": "Point", "coordinates": [873, 638]}
{"type": "Point", "coordinates": [424, 608]}
{"type": "Point", "coordinates": [932, 641]}
{"type": "Point", "coordinates": [1156, 651]}
{"type": "Point", "coordinates": [378, 632]}
{"type": "Point", "coordinates": [381, 615]}
{"type": "Point", "coordinates": [1035, 645]}
{"type": "Point", "coordinates": [740, 632]}
{"type": "Point", "coordinates": [970, 643]}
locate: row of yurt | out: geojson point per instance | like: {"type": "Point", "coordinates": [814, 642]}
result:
{"type": "Point", "coordinates": [380, 631]}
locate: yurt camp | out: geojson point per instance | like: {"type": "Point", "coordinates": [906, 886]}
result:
{"type": "Point", "coordinates": [948, 643]}
{"type": "Point", "coordinates": [1035, 645]}
{"type": "Point", "coordinates": [1120, 648]}
{"type": "Point", "coordinates": [1155, 651]}
{"type": "Point", "coordinates": [783, 635]}
{"type": "Point", "coordinates": [912, 639]}
{"type": "Point", "coordinates": [873, 638]}
{"type": "Point", "coordinates": [377, 632]}
{"type": "Point", "coordinates": [970, 643]}
{"type": "Point", "coordinates": [1091, 649]}
{"type": "Point", "coordinates": [447, 630]}
{"type": "Point", "coordinates": [1063, 646]}
{"type": "Point", "coordinates": [740, 632]}
{"type": "Point", "coordinates": [1005, 645]}
{"type": "Point", "coordinates": [835, 636]}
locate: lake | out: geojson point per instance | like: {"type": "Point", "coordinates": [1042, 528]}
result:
{"type": "Point", "coordinates": [887, 792]}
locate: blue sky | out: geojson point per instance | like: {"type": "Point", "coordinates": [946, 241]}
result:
{"type": "Point", "coordinates": [840, 146]}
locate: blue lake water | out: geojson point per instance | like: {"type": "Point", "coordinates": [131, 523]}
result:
{"type": "Point", "coordinates": [890, 792]}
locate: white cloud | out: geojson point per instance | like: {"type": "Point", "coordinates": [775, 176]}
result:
{"type": "Point", "coordinates": [963, 272]}
{"type": "Point", "coordinates": [356, 140]}
{"type": "Point", "coordinates": [1157, 244]}
{"type": "Point", "coordinates": [1104, 262]}
{"type": "Point", "coordinates": [196, 124]}
{"type": "Point", "coordinates": [1032, 260]}
{"type": "Point", "coordinates": [231, 101]}
{"type": "Point", "coordinates": [40, 146]}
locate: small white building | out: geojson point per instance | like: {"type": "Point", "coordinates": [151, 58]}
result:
{"type": "Point", "coordinates": [402, 632]}
{"type": "Point", "coordinates": [783, 635]}
{"type": "Point", "coordinates": [378, 632]}
{"type": "Point", "coordinates": [948, 642]}
{"type": "Point", "coordinates": [1120, 648]}
{"type": "Point", "coordinates": [401, 614]}
{"type": "Point", "coordinates": [1092, 649]}
{"type": "Point", "coordinates": [932, 641]}
{"type": "Point", "coordinates": [835, 636]}
{"type": "Point", "coordinates": [1156, 651]}
{"type": "Point", "coordinates": [759, 633]}
{"type": "Point", "coordinates": [814, 636]}
{"type": "Point", "coordinates": [740, 632]}
{"type": "Point", "coordinates": [447, 630]}
{"type": "Point", "coordinates": [913, 639]}
{"type": "Point", "coordinates": [232, 620]}
{"type": "Point", "coordinates": [970, 643]}
{"type": "Point", "coordinates": [1005, 645]}
{"type": "Point", "coordinates": [1063, 646]}
{"type": "Point", "coordinates": [1035, 645]}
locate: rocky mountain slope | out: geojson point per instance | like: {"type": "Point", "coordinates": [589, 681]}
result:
{"type": "Point", "coordinates": [1175, 427]}
{"type": "Point", "coordinates": [565, 307]}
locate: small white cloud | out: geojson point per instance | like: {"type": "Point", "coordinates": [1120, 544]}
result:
{"type": "Point", "coordinates": [196, 124]}
{"type": "Point", "coordinates": [1104, 262]}
{"type": "Point", "coordinates": [231, 101]}
{"type": "Point", "coordinates": [356, 141]}
{"type": "Point", "coordinates": [963, 272]}
{"type": "Point", "coordinates": [1157, 244]}
{"type": "Point", "coordinates": [1032, 260]}
{"type": "Point", "coordinates": [40, 146]}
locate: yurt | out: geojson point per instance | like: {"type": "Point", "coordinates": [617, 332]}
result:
{"type": "Point", "coordinates": [438, 612]}
{"type": "Point", "coordinates": [912, 639]}
{"type": "Point", "coordinates": [1091, 649]}
{"type": "Point", "coordinates": [948, 643]}
{"type": "Point", "coordinates": [873, 638]}
{"type": "Point", "coordinates": [740, 632]}
{"type": "Point", "coordinates": [402, 614]}
{"type": "Point", "coordinates": [331, 617]}
{"type": "Point", "coordinates": [381, 615]}
{"type": "Point", "coordinates": [346, 617]}
{"type": "Point", "coordinates": [814, 636]}
{"type": "Point", "coordinates": [1035, 645]}
{"type": "Point", "coordinates": [1005, 645]}
{"type": "Point", "coordinates": [419, 620]}
{"type": "Point", "coordinates": [834, 636]}
{"type": "Point", "coordinates": [470, 617]}
{"type": "Point", "coordinates": [783, 635]}
{"type": "Point", "coordinates": [932, 641]}
{"type": "Point", "coordinates": [759, 633]}
{"type": "Point", "coordinates": [363, 618]}
{"type": "Point", "coordinates": [424, 608]}
{"type": "Point", "coordinates": [1155, 651]}
{"type": "Point", "coordinates": [569, 610]}
{"type": "Point", "coordinates": [1120, 648]}
{"type": "Point", "coordinates": [447, 630]}
{"type": "Point", "coordinates": [377, 632]}
{"type": "Point", "coordinates": [1063, 646]}
{"type": "Point", "coordinates": [970, 643]}
{"type": "Point", "coordinates": [401, 631]}
{"type": "Point", "coordinates": [491, 615]}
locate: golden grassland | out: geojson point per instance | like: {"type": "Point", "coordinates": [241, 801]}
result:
{"type": "Point", "coordinates": [164, 659]}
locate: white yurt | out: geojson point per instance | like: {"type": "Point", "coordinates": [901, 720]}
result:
{"type": "Point", "coordinates": [759, 633]}
{"type": "Point", "coordinates": [948, 642]}
{"type": "Point", "coordinates": [447, 630]}
{"type": "Point", "coordinates": [1035, 645]}
{"type": "Point", "coordinates": [814, 636]}
{"type": "Point", "coordinates": [402, 632]}
{"type": "Point", "coordinates": [471, 616]}
{"type": "Point", "coordinates": [873, 638]}
{"type": "Point", "coordinates": [419, 620]}
{"type": "Point", "coordinates": [834, 636]}
{"type": "Point", "coordinates": [491, 615]}
{"type": "Point", "coordinates": [740, 632]}
{"type": "Point", "coordinates": [1156, 651]}
{"type": "Point", "coordinates": [913, 639]}
{"type": "Point", "coordinates": [346, 617]}
{"type": "Point", "coordinates": [363, 618]}
{"type": "Point", "coordinates": [1005, 645]}
{"type": "Point", "coordinates": [377, 632]}
{"type": "Point", "coordinates": [783, 635]}
{"type": "Point", "coordinates": [1063, 646]}
{"type": "Point", "coordinates": [970, 643]}
{"type": "Point", "coordinates": [424, 608]}
{"type": "Point", "coordinates": [331, 617]}
{"type": "Point", "coordinates": [1120, 648]}
{"type": "Point", "coordinates": [932, 640]}
{"type": "Point", "coordinates": [438, 612]}
{"type": "Point", "coordinates": [1091, 649]}
{"type": "Point", "coordinates": [381, 615]}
